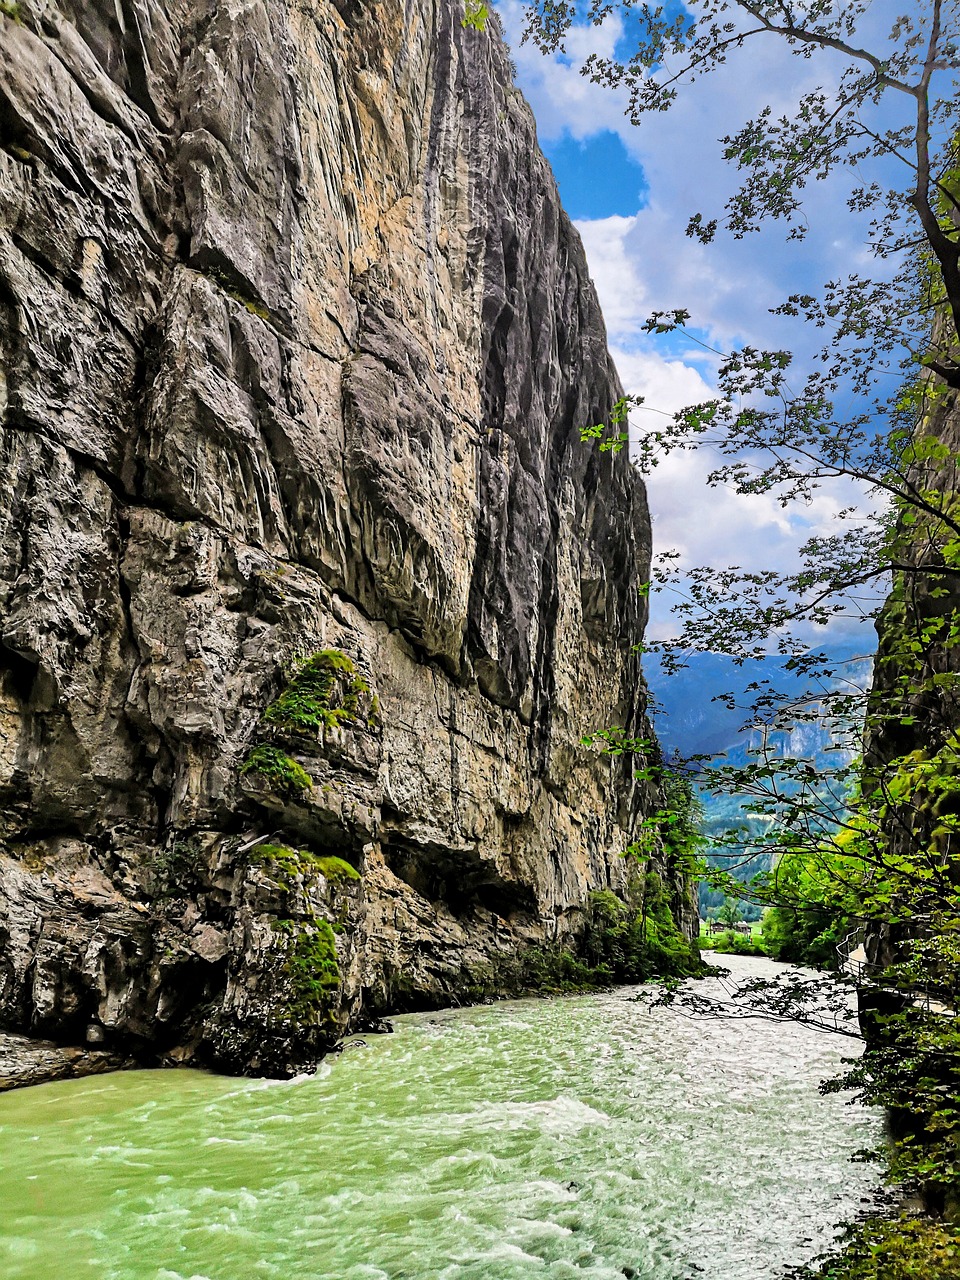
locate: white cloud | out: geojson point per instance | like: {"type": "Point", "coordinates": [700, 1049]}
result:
{"type": "Point", "coordinates": [728, 286]}
{"type": "Point", "coordinates": [666, 385]}
{"type": "Point", "coordinates": [713, 524]}
{"type": "Point", "coordinates": [617, 273]}
{"type": "Point", "coordinates": [699, 520]}
{"type": "Point", "coordinates": [646, 262]}
{"type": "Point", "coordinates": [562, 98]}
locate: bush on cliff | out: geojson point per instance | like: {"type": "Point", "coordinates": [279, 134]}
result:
{"type": "Point", "coordinates": [636, 943]}
{"type": "Point", "coordinates": [904, 1248]}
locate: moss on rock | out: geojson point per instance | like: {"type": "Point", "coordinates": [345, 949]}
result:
{"type": "Point", "coordinates": [326, 693]}
{"type": "Point", "coordinates": [312, 969]}
{"type": "Point", "coordinates": [281, 771]}
{"type": "Point", "coordinates": [287, 863]}
{"type": "Point", "coordinates": [336, 870]}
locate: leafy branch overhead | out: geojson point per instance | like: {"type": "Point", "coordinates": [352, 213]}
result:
{"type": "Point", "coordinates": [476, 15]}
{"type": "Point", "coordinates": [845, 127]}
{"type": "Point", "coordinates": [866, 852]}
{"type": "Point", "coordinates": [866, 410]}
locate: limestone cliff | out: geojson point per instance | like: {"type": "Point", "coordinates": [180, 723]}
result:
{"type": "Point", "coordinates": [304, 570]}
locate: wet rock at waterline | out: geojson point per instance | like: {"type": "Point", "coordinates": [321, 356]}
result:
{"type": "Point", "coordinates": [25, 1061]}
{"type": "Point", "coordinates": [309, 588]}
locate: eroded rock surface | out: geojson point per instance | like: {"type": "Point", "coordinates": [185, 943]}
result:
{"type": "Point", "coordinates": [296, 344]}
{"type": "Point", "coordinates": [24, 1061]}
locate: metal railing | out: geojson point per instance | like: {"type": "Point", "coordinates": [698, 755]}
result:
{"type": "Point", "coordinates": [867, 973]}
{"type": "Point", "coordinates": [861, 970]}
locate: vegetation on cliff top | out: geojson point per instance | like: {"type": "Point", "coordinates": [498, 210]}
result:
{"type": "Point", "coordinates": [475, 14]}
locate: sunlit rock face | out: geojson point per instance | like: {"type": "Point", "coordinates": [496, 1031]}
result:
{"type": "Point", "coordinates": [297, 343]}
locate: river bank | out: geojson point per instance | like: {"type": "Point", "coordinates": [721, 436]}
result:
{"type": "Point", "coordinates": [582, 1137]}
{"type": "Point", "coordinates": [25, 1062]}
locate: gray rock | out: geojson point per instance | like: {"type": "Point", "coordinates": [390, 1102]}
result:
{"type": "Point", "coordinates": [297, 343]}
{"type": "Point", "coordinates": [24, 1061]}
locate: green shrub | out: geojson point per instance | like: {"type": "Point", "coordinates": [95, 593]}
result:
{"type": "Point", "coordinates": [178, 865]}
{"type": "Point", "coordinates": [543, 971]}
{"type": "Point", "coordinates": [620, 944]}
{"type": "Point", "coordinates": [634, 944]}
{"type": "Point", "coordinates": [475, 15]}
{"type": "Point", "coordinates": [900, 1249]}
{"type": "Point", "coordinates": [733, 944]}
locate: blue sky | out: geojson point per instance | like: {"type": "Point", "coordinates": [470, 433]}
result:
{"type": "Point", "coordinates": [631, 191]}
{"type": "Point", "coordinates": [597, 175]}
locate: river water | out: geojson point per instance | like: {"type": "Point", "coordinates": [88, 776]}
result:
{"type": "Point", "coordinates": [569, 1138]}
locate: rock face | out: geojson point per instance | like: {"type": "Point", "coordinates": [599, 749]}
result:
{"type": "Point", "coordinates": [296, 346]}
{"type": "Point", "coordinates": [913, 705]}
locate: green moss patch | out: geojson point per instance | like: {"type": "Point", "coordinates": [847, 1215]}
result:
{"type": "Point", "coordinates": [286, 863]}
{"type": "Point", "coordinates": [326, 693]}
{"type": "Point", "coordinates": [224, 281]}
{"type": "Point", "coordinates": [336, 870]}
{"type": "Point", "coordinates": [282, 772]}
{"type": "Point", "coordinates": [312, 969]}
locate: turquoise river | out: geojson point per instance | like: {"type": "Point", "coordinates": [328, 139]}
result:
{"type": "Point", "coordinates": [578, 1137]}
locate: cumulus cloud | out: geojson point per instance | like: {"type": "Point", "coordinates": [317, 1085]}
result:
{"type": "Point", "coordinates": [729, 285]}
{"type": "Point", "coordinates": [715, 525]}
{"type": "Point", "coordinates": [665, 385]}
{"type": "Point", "coordinates": [562, 98]}
{"type": "Point", "coordinates": [617, 273]}
{"type": "Point", "coordinates": [645, 262]}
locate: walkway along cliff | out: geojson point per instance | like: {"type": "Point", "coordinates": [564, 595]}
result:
{"type": "Point", "coordinates": [309, 587]}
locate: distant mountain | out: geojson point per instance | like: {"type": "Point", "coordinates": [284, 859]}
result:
{"type": "Point", "coordinates": [691, 722]}
{"type": "Point", "coordinates": [690, 718]}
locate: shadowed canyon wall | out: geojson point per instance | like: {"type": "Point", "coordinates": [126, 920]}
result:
{"type": "Point", "coordinates": [304, 569]}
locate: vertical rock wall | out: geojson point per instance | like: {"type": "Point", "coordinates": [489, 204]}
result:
{"type": "Point", "coordinates": [296, 342]}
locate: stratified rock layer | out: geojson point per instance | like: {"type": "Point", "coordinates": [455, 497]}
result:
{"type": "Point", "coordinates": [297, 343]}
